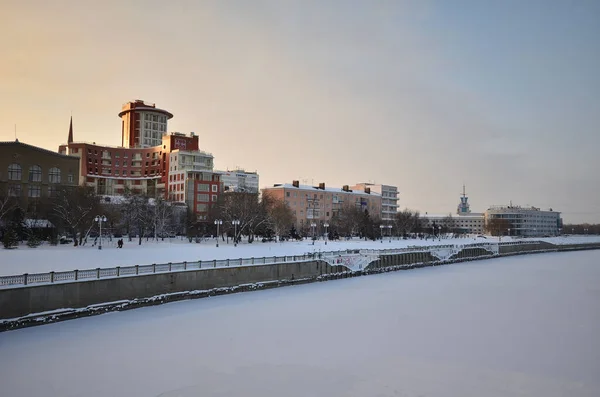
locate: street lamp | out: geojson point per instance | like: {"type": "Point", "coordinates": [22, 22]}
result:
{"type": "Point", "coordinates": [381, 228]}
{"type": "Point", "coordinates": [326, 225]}
{"type": "Point", "coordinates": [509, 232]}
{"type": "Point", "coordinates": [440, 232]}
{"type": "Point", "coordinates": [100, 219]}
{"type": "Point", "coordinates": [218, 222]}
{"type": "Point", "coordinates": [312, 226]}
{"type": "Point", "coordinates": [235, 223]}
{"type": "Point", "coordinates": [389, 227]}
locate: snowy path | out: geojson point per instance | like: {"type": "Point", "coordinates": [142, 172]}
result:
{"type": "Point", "coordinates": [518, 326]}
{"type": "Point", "coordinates": [65, 258]}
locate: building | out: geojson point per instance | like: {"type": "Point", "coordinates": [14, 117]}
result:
{"type": "Point", "coordinates": [389, 199]}
{"type": "Point", "coordinates": [170, 166]}
{"type": "Point", "coordinates": [318, 204]}
{"type": "Point", "coordinates": [525, 221]}
{"type": "Point", "coordinates": [28, 172]}
{"type": "Point", "coordinates": [142, 124]}
{"type": "Point", "coordinates": [464, 222]}
{"type": "Point", "coordinates": [239, 181]}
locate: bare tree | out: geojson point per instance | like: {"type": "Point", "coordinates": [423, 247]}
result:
{"type": "Point", "coordinates": [280, 216]}
{"type": "Point", "coordinates": [75, 208]}
{"type": "Point", "coordinates": [138, 214]}
{"type": "Point", "coordinates": [7, 203]}
{"type": "Point", "coordinates": [497, 226]}
{"type": "Point", "coordinates": [348, 221]}
{"type": "Point", "coordinates": [240, 206]}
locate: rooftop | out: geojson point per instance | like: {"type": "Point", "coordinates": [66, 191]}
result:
{"type": "Point", "coordinates": [327, 189]}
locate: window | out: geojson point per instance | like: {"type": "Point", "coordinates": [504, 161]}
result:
{"type": "Point", "coordinates": [202, 197]}
{"type": "Point", "coordinates": [287, 194]}
{"type": "Point", "coordinates": [14, 190]}
{"type": "Point", "coordinates": [14, 172]}
{"type": "Point", "coordinates": [35, 174]}
{"type": "Point", "coordinates": [215, 188]}
{"type": "Point", "coordinates": [214, 197]}
{"type": "Point", "coordinates": [54, 175]}
{"type": "Point", "coordinates": [203, 188]}
{"type": "Point", "coordinates": [35, 191]}
{"type": "Point", "coordinates": [70, 178]}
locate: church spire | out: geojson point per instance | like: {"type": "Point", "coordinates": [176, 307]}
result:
{"type": "Point", "coordinates": [70, 139]}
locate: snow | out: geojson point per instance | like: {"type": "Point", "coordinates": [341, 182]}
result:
{"type": "Point", "coordinates": [515, 326]}
{"type": "Point", "coordinates": [66, 257]}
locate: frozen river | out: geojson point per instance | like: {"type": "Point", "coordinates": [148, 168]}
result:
{"type": "Point", "coordinates": [520, 326]}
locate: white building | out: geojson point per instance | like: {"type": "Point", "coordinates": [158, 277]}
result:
{"type": "Point", "coordinates": [526, 221]}
{"type": "Point", "coordinates": [181, 163]}
{"type": "Point", "coordinates": [465, 221]}
{"type": "Point", "coordinates": [389, 198]}
{"type": "Point", "coordinates": [239, 181]}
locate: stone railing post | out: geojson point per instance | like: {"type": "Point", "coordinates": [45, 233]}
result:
{"type": "Point", "coordinates": [51, 277]}
{"type": "Point", "coordinates": [170, 266]}
{"type": "Point", "coordinates": [25, 278]}
{"type": "Point", "coordinates": [227, 263]}
{"type": "Point", "coordinates": [214, 263]}
{"type": "Point", "coordinates": [97, 272]}
{"type": "Point", "coordinates": [76, 274]}
{"type": "Point", "coordinates": [184, 265]}
{"type": "Point", "coordinates": [118, 271]}
{"type": "Point", "coordinates": [137, 269]}
{"type": "Point", "coordinates": [154, 268]}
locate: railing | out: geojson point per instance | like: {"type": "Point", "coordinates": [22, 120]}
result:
{"type": "Point", "coordinates": [128, 271]}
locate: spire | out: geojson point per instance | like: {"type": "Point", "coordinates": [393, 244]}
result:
{"type": "Point", "coordinates": [70, 139]}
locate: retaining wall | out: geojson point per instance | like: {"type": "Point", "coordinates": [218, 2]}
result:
{"type": "Point", "coordinates": [20, 301]}
{"type": "Point", "coordinates": [24, 300]}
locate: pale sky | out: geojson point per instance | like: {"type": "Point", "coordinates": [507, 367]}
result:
{"type": "Point", "coordinates": [424, 95]}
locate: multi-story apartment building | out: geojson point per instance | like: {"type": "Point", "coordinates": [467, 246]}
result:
{"type": "Point", "coordinates": [318, 204]}
{"type": "Point", "coordinates": [527, 221]}
{"type": "Point", "coordinates": [170, 166]}
{"type": "Point", "coordinates": [142, 124]}
{"type": "Point", "coordinates": [28, 173]}
{"type": "Point", "coordinates": [389, 199]}
{"type": "Point", "coordinates": [239, 181]}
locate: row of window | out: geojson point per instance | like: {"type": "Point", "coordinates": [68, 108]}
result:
{"type": "Point", "coordinates": [155, 117]}
{"type": "Point", "coordinates": [15, 173]}
{"type": "Point", "coordinates": [33, 191]}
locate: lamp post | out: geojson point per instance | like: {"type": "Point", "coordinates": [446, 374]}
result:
{"type": "Point", "coordinates": [389, 227]}
{"type": "Point", "coordinates": [509, 232]}
{"type": "Point", "coordinates": [326, 225]}
{"type": "Point", "coordinates": [381, 229]}
{"type": "Point", "coordinates": [235, 223]}
{"type": "Point", "coordinates": [440, 232]}
{"type": "Point", "coordinates": [313, 226]}
{"type": "Point", "coordinates": [218, 222]}
{"type": "Point", "coordinates": [100, 219]}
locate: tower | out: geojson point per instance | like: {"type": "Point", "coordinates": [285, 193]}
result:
{"type": "Point", "coordinates": [70, 138]}
{"type": "Point", "coordinates": [142, 124]}
{"type": "Point", "coordinates": [463, 207]}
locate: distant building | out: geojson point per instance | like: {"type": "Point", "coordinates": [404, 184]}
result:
{"type": "Point", "coordinates": [464, 222]}
{"type": "Point", "coordinates": [239, 181]}
{"type": "Point", "coordinates": [142, 124]}
{"type": "Point", "coordinates": [151, 161]}
{"type": "Point", "coordinates": [28, 173]}
{"type": "Point", "coordinates": [527, 221]}
{"type": "Point", "coordinates": [318, 204]}
{"type": "Point", "coordinates": [389, 199]}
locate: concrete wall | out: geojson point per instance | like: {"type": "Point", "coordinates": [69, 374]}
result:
{"type": "Point", "coordinates": [20, 301]}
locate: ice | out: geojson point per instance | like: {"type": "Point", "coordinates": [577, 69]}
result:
{"type": "Point", "coordinates": [515, 326]}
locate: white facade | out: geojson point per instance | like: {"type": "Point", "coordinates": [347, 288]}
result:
{"type": "Point", "coordinates": [389, 198]}
{"type": "Point", "coordinates": [239, 181]}
{"type": "Point", "coordinates": [152, 127]}
{"type": "Point", "coordinates": [527, 221]}
{"type": "Point", "coordinates": [180, 163]}
{"type": "Point", "coordinates": [472, 223]}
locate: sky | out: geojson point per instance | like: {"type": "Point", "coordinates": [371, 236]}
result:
{"type": "Point", "coordinates": [423, 95]}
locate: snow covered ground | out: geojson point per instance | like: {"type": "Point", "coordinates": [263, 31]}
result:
{"type": "Point", "coordinates": [516, 326]}
{"type": "Point", "coordinates": [66, 257]}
